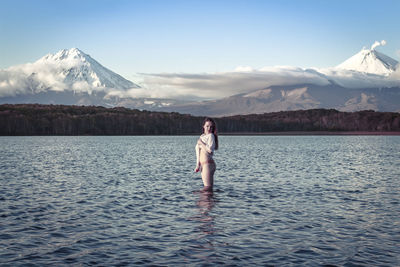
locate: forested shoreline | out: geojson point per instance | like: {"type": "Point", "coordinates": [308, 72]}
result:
{"type": "Point", "coordinates": [37, 119]}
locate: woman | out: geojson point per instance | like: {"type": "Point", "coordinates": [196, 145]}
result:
{"type": "Point", "coordinates": [207, 143]}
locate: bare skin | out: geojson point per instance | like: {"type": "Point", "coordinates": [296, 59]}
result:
{"type": "Point", "coordinates": [207, 167]}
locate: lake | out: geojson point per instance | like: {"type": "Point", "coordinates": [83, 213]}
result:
{"type": "Point", "coordinates": [135, 200]}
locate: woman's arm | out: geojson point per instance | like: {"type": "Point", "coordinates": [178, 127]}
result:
{"type": "Point", "coordinates": [209, 146]}
{"type": "Point", "coordinates": [203, 146]}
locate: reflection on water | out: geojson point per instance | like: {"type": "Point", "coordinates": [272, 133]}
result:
{"type": "Point", "coordinates": [203, 245]}
{"type": "Point", "coordinates": [205, 203]}
{"type": "Point", "coordinates": [280, 201]}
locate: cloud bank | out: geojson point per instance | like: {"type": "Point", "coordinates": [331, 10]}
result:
{"type": "Point", "coordinates": [244, 79]}
{"type": "Point", "coordinates": [73, 75]}
{"type": "Point", "coordinates": [187, 86]}
{"type": "Point", "coordinates": [13, 83]}
{"type": "Point", "coordinates": [218, 85]}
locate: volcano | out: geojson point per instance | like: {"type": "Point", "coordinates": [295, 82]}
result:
{"type": "Point", "coordinates": [370, 61]}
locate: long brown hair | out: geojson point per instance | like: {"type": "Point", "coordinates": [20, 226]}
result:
{"type": "Point", "coordinates": [213, 130]}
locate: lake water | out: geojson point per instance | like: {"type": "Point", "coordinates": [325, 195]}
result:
{"type": "Point", "coordinates": [278, 201]}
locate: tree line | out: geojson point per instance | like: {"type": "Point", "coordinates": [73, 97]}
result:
{"type": "Point", "coordinates": [37, 119]}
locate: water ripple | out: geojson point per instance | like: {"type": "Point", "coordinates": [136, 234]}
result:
{"type": "Point", "coordinates": [279, 201]}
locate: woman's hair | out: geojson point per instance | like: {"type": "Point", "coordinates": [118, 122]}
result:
{"type": "Point", "coordinates": [213, 130]}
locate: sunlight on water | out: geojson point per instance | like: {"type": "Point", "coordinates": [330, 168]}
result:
{"type": "Point", "coordinates": [291, 200]}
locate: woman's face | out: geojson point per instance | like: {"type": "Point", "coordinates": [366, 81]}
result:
{"type": "Point", "coordinates": [207, 127]}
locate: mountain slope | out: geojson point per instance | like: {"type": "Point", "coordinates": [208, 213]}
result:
{"type": "Point", "coordinates": [68, 69]}
{"type": "Point", "coordinates": [296, 97]}
{"type": "Point", "coordinates": [72, 77]}
{"type": "Point", "coordinates": [370, 61]}
{"type": "Point", "coordinates": [360, 83]}
{"type": "Point", "coordinates": [75, 66]}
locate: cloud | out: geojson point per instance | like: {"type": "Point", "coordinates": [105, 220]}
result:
{"type": "Point", "coordinates": [43, 75]}
{"type": "Point", "coordinates": [189, 86]}
{"type": "Point", "coordinates": [377, 43]}
{"type": "Point", "coordinates": [13, 83]}
{"type": "Point", "coordinates": [245, 79]}
{"type": "Point", "coordinates": [243, 69]}
{"type": "Point", "coordinates": [218, 85]}
{"type": "Point", "coordinates": [24, 80]}
{"type": "Point", "coordinates": [207, 86]}
{"type": "Point", "coordinates": [355, 79]}
{"type": "Point", "coordinates": [396, 74]}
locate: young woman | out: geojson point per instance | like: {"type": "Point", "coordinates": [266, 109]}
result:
{"type": "Point", "coordinates": [207, 143]}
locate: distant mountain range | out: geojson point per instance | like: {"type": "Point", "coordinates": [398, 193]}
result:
{"type": "Point", "coordinates": [366, 81]}
{"type": "Point", "coordinates": [296, 97]}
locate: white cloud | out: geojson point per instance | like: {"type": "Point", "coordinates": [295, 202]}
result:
{"type": "Point", "coordinates": [244, 80]}
{"type": "Point", "coordinates": [355, 79]}
{"type": "Point", "coordinates": [218, 85]}
{"type": "Point", "coordinates": [82, 86]}
{"type": "Point", "coordinates": [45, 75]}
{"type": "Point", "coordinates": [13, 83]}
{"type": "Point", "coordinates": [396, 74]}
{"type": "Point", "coordinates": [243, 69]}
{"type": "Point", "coordinates": [377, 43]}
{"type": "Point", "coordinates": [49, 75]}
{"type": "Point", "coordinates": [203, 86]}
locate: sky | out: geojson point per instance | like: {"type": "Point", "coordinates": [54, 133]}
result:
{"type": "Point", "coordinates": [172, 36]}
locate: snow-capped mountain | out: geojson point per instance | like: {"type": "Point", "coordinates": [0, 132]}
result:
{"type": "Point", "coordinates": [74, 66]}
{"type": "Point", "coordinates": [67, 77]}
{"type": "Point", "coordinates": [370, 61]}
{"type": "Point", "coordinates": [368, 80]}
{"type": "Point", "coordinates": [66, 70]}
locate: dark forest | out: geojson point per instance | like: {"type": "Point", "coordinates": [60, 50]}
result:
{"type": "Point", "coordinates": [35, 119]}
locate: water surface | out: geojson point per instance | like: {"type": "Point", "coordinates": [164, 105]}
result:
{"type": "Point", "coordinates": [278, 201]}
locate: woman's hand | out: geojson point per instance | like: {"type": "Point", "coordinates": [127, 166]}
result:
{"type": "Point", "coordinates": [199, 142]}
{"type": "Point", "coordinates": [203, 145]}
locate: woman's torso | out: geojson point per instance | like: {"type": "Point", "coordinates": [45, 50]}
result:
{"type": "Point", "coordinates": [206, 157]}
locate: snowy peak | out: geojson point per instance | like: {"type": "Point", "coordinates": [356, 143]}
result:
{"type": "Point", "coordinates": [370, 61]}
{"type": "Point", "coordinates": [79, 71]}
{"type": "Point", "coordinates": [65, 54]}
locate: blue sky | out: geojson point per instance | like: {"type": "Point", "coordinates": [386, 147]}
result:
{"type": "Point", "coordinates": [197, 36]}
